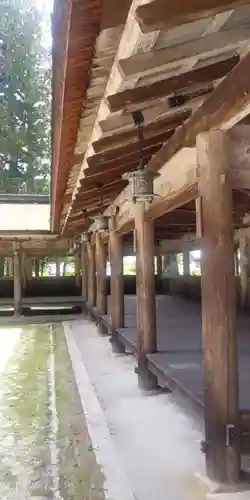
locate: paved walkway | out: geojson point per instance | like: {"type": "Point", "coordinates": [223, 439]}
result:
{"type": "Point", "coordinates": [152, 441]}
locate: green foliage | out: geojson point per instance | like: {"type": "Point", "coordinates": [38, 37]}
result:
{"type": "Point", "coordinates": [25, 88]}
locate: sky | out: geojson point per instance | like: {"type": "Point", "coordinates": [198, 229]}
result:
{"type": "Point", "coordinates": [46, 6]}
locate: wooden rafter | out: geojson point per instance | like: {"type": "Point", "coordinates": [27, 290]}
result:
{"type": "Point", "coordinates": [159, 14]}
{"type": "Point", "coordinates": [152, 129]}
{"type": "Point", "coordinates": [173, 84]}
{"type": "Point", "coordinates": [227, 99]}
{"type": "Point", "coordinates": [129, 150]}
{"type": "Point", "coordinates": [214, 43]}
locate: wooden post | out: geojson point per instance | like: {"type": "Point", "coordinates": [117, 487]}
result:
{"type": "Point", "coordinates": [236, 261]}
{"type": "Point", "coordinates": [159, 266]}
{"type": "Point", "coordinates": [28, 267]}
{"type": "Point", "coordinates": [78, 268]}
{"type": "Point", "coordinates": [146, 305]}
{"type": "Point", "coordinates": [244, 253]}
{"type": "Point", "coordinates": [17, 279]}
{"type": "Point", "coordinates": [218, 308]}
{"type": "Point", "coordinates": [101, 278]}
{"type": "Point", "coordinates": [58, 267]}
{"type": "Point", "coordinates": [91, 275]}
{"type": "Point", "coordinates": [116, 284]}
{"type": "Point", "coordinates": [23, 270]}
{"type": "Point", "coordinates": [37, 267]}
{"type": "Point", "coordinates": [186, 262]}
{"type": "Point", "coordinates": [84, 266]}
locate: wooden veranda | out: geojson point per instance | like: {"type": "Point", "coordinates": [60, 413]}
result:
{"type": "Point", "coordinates": [183, 69]}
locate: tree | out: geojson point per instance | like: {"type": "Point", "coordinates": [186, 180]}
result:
{"type": "Point", "coordinates": [25, 88]}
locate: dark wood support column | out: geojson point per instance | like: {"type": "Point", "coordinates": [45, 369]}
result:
{"type": "Point", "coordinates": [78, 268]}
{"type": "Point", "coordinates": [116, 284]}
{"type": "Point", "coordinates": [101, 276]}
{"type": "Point", "coordinates": [186, 262]}
{"type": "Point", "coordinates": [159, 266]}
{"type": "Point", "coordinates": [17, 279]}
{"type": "Point", "coordinates": [146, 301]}
{"type": "Point", "coordinates": [244, 254]}
{"type": "Point", "coordinates": [218, 309]}
{"type": "Point", "coordinates": [58, 266]}
{"type": "Point", "coordinates": [23, 270]}
{"type": "Point", "coordinates": [91, 275]}
{"type": "Point", "coordinates": [28, 267]}
{"type": "Point", "coordinates": [84, 266]}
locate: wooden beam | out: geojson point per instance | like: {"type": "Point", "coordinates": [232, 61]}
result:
{"type": "Point", "coordinates": [155, 110]}
{"type": "Point", "coordinates": [109, 176]}
{"type": "Point", "coordinates": [177, 182]}
{"type": "Point", "coordinates": [227, 99]}
{"type": "Point", "coordinates": [167, 124]}
{"type": "Point", "coordinates": [164, 14]}
{"type": "Point", "coordinates": [128, 149]}
{"type": "Point", "coordinates": [145, 296]}
{"type": "Point", "coordinates": [83, 202]}
{"type": "Point", "coordinates": [122, 161]}
{"type": "Point", "coordinates": [173, 84]}
{"type": "Point", "coordinates": [219, 308]}
{"type": "Point", "coordinates": [176, 185]}
{"type": "Point", "coordinates": [208, 45]}
{"type": "Point", "coordinates": [94, 190]}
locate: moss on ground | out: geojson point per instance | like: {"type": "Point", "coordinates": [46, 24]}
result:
{"type": "Point", "coordinates": [80, 476]}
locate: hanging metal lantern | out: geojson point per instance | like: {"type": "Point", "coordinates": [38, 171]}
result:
{"type": "Point", "coordinates": [85, 237]}
{"type": "Point", "coordinates": [76, 245]}
{"type": "Point", "coordinates": [101, 220]}
{"type": "Point", "coordinates": [101, 223]}
{"type": "Point", "coordinates": [142, 184]}
{"type": "Point", "coordinates": [142, 179]}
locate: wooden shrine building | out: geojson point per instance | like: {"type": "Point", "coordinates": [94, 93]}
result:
{"type": "Point", "coordinates": [151, 151]}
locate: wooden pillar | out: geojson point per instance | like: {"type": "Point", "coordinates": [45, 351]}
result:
{"type": "Point", "coordinates": [17, 279]}
{"type": "Point", "coordinates": [28, 267]}
{"type": "Point", "coordinates": [159, 266]}
{"type": "Point", "coordinates": [78, 268]}
{"type": "Point", "coordinates": [146, 301]}
{"type": "Point", "coordinates": [91, 275]}
{"type": "Point", "coordinates": [186, 262]}
{"type": "Point", "coordinates": [101, 276]}
{"type": "Point", "coordinates": [218, 308]}
{"type": "Point", "coordinates": [58, 266]}
{"type": "Point", "coordinates": [23, 270]}
{"type": "Point", "coordinates": [116, 283]}
{"type": "Point", "coordinates": [84, 266]}
{"type": "Point", "coordinates": [244, 253]}
{"type": "Point", "coordinates": [236, 260]}
{"type": "Point", "coordinates": [37, 267]}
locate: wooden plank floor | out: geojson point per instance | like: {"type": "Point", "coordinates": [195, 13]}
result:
{"type": "Point", "coordinates": [179, 339]}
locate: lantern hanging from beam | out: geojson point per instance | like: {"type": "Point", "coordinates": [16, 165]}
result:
{"type": "Point", "coordinates": [101, 220]}
{"type": "Point", "coordinates": [102, 223]}
{"type": "Point", "coordinates": [85, 237]}
{"type": "Point", "coordinates": [141, 180]}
